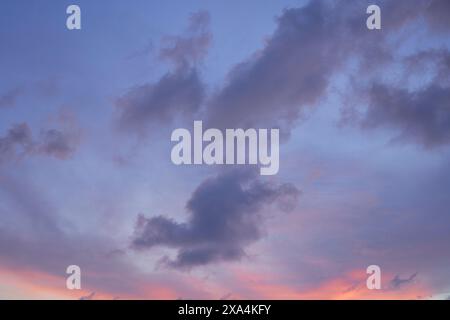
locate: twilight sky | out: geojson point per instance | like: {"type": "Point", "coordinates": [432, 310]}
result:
{"type": "Point", "coordinates": [85, 171]}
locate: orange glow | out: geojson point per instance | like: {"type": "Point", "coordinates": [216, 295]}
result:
{"type": "Point", "coordinates": [28, 284]}
{"type": "Point", "coordinates": [352, 286]}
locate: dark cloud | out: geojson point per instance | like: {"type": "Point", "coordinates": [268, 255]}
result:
{"type": "Point", "coordinates": [17, 142]}
{"type": "Point", "coordinates": [418, 113]}
{"type": "Point", "coordinates": [437, 15]}
{"type": "Point", "coordinates": [175, 94]}
{"type": "Point", "coordinates": [88, 297]}
{"type": "Point", "coordinates": [56, 143]}
{"type": "Point", "coordinates": [224, 218]}
{"type": "Point", "coordinates": [178, 93]}
{"type": "Point", "coordinates": [290, 73]}
{"type": "Point", "coordinates": [397, 282]}
{"type": "Point", "coordinates": [421, 116]}
{"type": "Point", "coordinates": [434, 60]}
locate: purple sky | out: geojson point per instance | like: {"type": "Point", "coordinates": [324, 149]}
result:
{"type": "Point", "coordinates": [86, 176]}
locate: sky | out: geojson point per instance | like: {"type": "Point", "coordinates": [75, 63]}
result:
{"type": "Point", "coordinates": [86, 176]}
